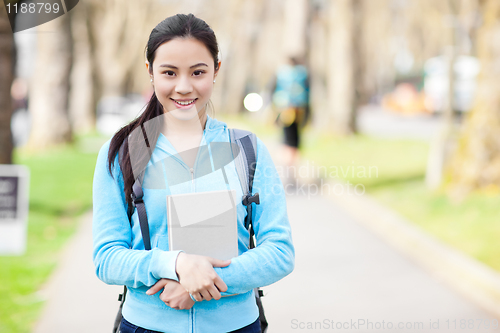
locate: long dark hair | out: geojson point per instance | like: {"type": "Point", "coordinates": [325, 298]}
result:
{"type": "Point", "coordinates": [177, 26]}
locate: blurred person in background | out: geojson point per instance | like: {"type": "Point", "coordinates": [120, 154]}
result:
{"type": "Point", "coordinates": [291, 100]}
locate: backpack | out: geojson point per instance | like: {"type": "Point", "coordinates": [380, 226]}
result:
{"type": "Point", "coordinates": [246, 163]}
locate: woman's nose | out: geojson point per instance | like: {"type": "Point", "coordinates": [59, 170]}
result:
{"type": "Point", "coordinates": [183, 86]}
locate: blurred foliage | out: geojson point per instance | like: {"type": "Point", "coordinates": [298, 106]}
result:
{"type": "Point", "coordinates": [60, 191]}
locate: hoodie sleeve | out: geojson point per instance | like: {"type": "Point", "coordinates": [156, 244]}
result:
{"type": "Point", "coordinates": [115, 262]}
{"type": "Point", "coordinates": [273, 258]}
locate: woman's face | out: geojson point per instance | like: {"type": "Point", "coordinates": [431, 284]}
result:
{"type": "Point", "coordinates": [183, 73]}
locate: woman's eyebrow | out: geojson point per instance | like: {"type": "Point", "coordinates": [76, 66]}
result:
{"type": "Point", "coordinates": [172, 66]}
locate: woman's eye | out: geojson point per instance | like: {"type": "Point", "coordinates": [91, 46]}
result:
{"type": "Point", "coordinates": [169, 73]}
{"type": "Point", "coordinates": [198, 73]}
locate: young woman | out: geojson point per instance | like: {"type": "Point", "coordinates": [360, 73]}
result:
{"type": "Point", "coordinates": [173, 291]}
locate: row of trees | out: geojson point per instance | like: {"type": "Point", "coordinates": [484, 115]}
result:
{"type": "Point", "coordinates": [350, 46]}
{"type": "Point", "coordinates": [92, 53]}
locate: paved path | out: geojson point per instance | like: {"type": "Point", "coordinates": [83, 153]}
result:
{"type": "Point", "coordinates": [346, 274]}
{"type": "Point", "coordinates": [78, 301]}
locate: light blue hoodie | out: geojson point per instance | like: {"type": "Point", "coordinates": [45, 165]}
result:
{"type": "Point", "coordinates": [120, 257]}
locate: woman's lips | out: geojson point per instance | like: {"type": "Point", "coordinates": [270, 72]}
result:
{"type": "Point", "coordinates": [184, 104]}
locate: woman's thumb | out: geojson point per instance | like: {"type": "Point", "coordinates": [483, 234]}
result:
{"type": "Point", "coordinates": [219, 263]}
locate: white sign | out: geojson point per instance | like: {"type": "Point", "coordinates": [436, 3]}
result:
{"type": "Point", "coordinates": [14, 184]}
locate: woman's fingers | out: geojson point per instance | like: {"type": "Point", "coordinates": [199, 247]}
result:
{"type": "Point", "coordinates": [220, 284]}
{"type": "Point", "coordinates": [197, 297]}
{"type": "Point", "coordinates": [219, 263]}
{"type": "Point", "coordinates": [197, 275]}
{"type": "Point", "coordinates": [214, 293]}
{"type": "Point", "coordinates": [176, 297]}
{"type": "Point", "coordinates": [206, 295]}
{"type": "Point", "coordinates": [157, 287]}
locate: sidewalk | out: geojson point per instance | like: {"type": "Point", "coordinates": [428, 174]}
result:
{"type": "Point", "coordinates": [346, 274]}
{"type": "Point", "coordinates": [78, 302]}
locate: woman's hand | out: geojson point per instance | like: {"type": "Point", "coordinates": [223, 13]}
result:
{"type": "Point", "coordinates": [197, 275]}
{"type": "Point", "coordinates": [174, 295]}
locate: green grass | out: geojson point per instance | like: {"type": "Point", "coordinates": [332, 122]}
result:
{"type": "Point", "coordinates": [60, 191]}
{"type": "Point", "coordinates": [472, 226]}
{"type": "Point", "coordinates": [374, 163]}
{"type": "Point", "coordinates": [393, 172]}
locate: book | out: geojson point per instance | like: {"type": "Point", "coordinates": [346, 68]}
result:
{"type": "Point", "coordinates": [203, 223]}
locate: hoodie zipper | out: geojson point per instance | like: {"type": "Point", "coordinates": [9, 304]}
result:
{"type": "Point", "coordinates": [192, 178]}
{"type": "Point", "coordinates": [192, 320]}
{"type": "Point", "coordinates": [191, 170]}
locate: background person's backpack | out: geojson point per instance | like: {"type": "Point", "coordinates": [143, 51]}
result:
{"type": "Point", "coordinates": [246, 162]}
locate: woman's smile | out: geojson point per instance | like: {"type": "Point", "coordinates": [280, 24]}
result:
{"type": "Point", "coordinates": [184, 103]}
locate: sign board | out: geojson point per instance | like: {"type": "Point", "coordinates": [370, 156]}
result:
{"type": "Point", "coordinates": [14, 185]}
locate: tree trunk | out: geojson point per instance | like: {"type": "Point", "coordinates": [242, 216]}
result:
{"type": "Point", "coordinates": [360, 59]}
{"type": "Point", "coordinates": [50, 85]}
{"type": "Point", "coordinates": [118, 30]}
{"type": "Point", "coordinates": [6, 77]}
{"type": "Point", "coordinates": [442, 144]}
{"type": "Point", "coordinates": [295, 24]}
{"type": "Point", "coordinates": [476, 164]}
{"type": "Point", "coordinates": [237, 64]}
{"type": "Point", "coordinates": [343, 61]}
{"type": "Point", "coordinates": [81, 101]}
{"type": "Point", "coordinates": [318, 61]}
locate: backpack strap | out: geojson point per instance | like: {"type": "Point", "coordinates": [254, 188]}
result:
{"type": "Point", "coordinates": [137, 203]}
{"type": "Point", "coordinates": [245, 166]}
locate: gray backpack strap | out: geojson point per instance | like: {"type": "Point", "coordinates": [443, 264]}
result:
{"type": "Point", "coordinates": [240, 160]}
{"type": "Point", "coordinates": [137, 202]}
{"type": "Point", "coordinates": [244, 148]}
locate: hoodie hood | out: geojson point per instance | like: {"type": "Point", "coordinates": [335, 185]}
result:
{"type": "Point", "coordinates": [215, 131]}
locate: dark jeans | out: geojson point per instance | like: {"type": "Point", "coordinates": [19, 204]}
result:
{"type": "Point", "coordinates": [127, 327]}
